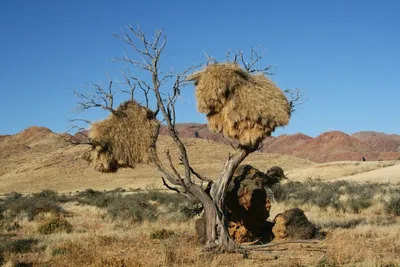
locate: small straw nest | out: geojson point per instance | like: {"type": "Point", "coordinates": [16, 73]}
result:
{"type": "Point", "coordinates": [244, 106]}
{"type": "Point", "coordinates": [123, 139]}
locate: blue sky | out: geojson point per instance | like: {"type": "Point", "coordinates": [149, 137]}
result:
{"type": "Point", "coordinates": [344, 55]}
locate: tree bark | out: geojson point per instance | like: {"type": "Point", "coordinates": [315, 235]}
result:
{"type": "Point", "coordinates": [215, 212]}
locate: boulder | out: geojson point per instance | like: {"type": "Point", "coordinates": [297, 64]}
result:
{"type": "Point", "coordinates": [293, 224]}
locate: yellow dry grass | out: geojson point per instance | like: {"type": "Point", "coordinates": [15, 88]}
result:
{"type": "Point", "coordinates": [96, 241]}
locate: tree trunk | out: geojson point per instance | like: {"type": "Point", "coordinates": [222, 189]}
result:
{"type": "Point", "coordinates": [215, 212]}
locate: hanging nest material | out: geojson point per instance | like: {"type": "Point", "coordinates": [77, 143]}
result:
{"type": "Point", "coordinates": [240, 105]}
{"type": "Point", "coordinates": [123, 139]}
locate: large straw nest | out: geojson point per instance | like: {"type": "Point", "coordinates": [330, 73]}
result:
{"type": "Point", "coordinates": [123, 139]}
{"type": "Point", "coordinates": [238, 104]}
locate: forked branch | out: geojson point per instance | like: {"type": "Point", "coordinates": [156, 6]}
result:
{"type": "Point", "coordinates": [101, 98]}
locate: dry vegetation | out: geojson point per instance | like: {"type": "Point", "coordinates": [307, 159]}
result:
{"type": "Point", "coordinates": [359, 225]}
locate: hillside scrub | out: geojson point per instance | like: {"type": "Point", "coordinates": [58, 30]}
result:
{"type": "Point", "coordinates": [344, 196]}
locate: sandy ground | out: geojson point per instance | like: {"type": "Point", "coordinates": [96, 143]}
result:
{"type": "Point", "coordinates": [62, 169]}
{"type": "Point", "coordinates": [384, 175]}
{"type": "Point", "coordinates": [348, 170]}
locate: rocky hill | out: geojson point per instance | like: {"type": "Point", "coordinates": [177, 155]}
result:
{"type": "Point", "coordinates": [37, 159]}
{"type": "Point", "coordinates": [380, 142]}
{"type": "Point", "coordinates": [327, 147]}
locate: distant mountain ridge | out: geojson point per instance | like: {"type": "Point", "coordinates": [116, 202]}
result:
{"type": "Point", "coordinates": [381, 142]}
{"type": "Point", "coordinates": [327, 147]}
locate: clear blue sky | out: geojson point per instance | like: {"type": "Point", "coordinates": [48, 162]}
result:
{"type": "Point", "coordinates": [344, 55]}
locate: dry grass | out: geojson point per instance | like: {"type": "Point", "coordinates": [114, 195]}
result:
{"type": "Point", "coordinates": [366, 239]}
{"type": "Point", "coordinates": [370, 245]}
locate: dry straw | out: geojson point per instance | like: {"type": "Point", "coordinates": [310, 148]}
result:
{"type": "Point", "coordinates": [238, 104]}
{"type": "Point", "coordinates": [123, 139]}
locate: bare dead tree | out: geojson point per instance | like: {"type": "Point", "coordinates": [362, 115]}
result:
{"type": "Point", "coordinates": [148, 53]}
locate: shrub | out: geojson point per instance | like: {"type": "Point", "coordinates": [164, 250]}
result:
{"type": "Point", "coordinates": [128, 208]}
{"type": "Point", "coordinates": [55, 225]}
{"type": "Point", "coordinates": [359, 202]}
{"type": "Point", "coordinates": [393, 206]}
{"type": "Point", "coordinates": [9, 226]}
{"type": "Point", "coordinates": [162, 234]}
{"type": "Point", "coordinates": [19, 245]}
{"type": "Point", "coordinates": [2, 209]}
{"type": "Point", "coordinates": [95, 198]}
{"type": "Point", "coordinates": [138, 206]}
{"type": "Point", "coordinates": [326, 262]}
{"type": "Point", "coordinates": [59, 251]}
{"type": "Point", "coordinates": [32, 206]}
{"type": "Point", "coordinates": [358, 196]}
{"type": "Point", "coordinates": [12, 196]}
{"type": "Point", "coordinates": [51, 196]}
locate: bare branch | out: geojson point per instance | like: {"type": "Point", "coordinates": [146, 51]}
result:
{"type": "Point", "coordinates": [210, 60]}
{"type": "Point", "coordinates": [171, 165]}
{"type": "Point", "coordinates": [80, 120]}
{"type": "Point", "coordinates": [169, 187]}
{"type": "Point", "coordinates": [295, 97]}
{"type": "Point", "coordinates": [255, 58]}
{"type": "Point", "coordinates": [132, 86]}
{"type": "Point", "coordinates": [101, 98]}
{"type": "Point", "coordinates": [180, 82]}
{"type": "Point", "coordinates": [145, 87]}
